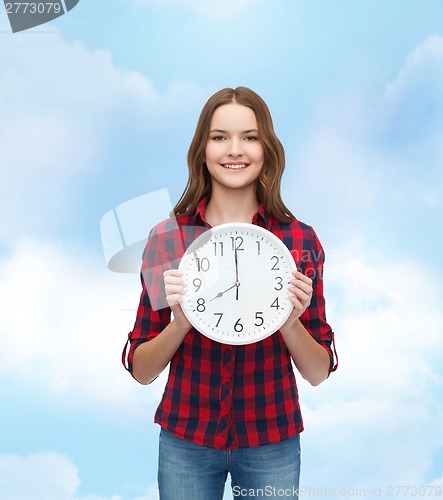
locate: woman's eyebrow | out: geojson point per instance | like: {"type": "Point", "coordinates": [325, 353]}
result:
{"type": "Point", "coordinates": [225, 131]}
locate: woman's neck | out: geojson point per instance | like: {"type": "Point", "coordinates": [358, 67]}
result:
{"type": "Point", "coordinates": [231, 206]}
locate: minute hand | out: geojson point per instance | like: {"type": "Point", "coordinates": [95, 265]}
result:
{"type": "Point", "coordinates": [237, 283]}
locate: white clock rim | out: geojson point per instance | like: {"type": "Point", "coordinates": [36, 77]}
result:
{"type": "Point", "coordinates": [205, 237]}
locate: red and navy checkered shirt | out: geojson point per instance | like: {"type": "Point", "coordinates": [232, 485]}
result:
{"type": "Point", "coordinates": [220, 395]}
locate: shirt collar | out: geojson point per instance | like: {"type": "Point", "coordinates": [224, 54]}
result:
{"type": "Point", "coordinates": [261, 218]}
{"type": "Point", "coordinates": [200, 212]}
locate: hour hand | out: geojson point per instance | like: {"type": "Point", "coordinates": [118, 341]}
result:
{"type": "Point", "coordinates": [220, 294]}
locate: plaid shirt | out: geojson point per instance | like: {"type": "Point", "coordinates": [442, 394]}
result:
{"type": "Point", "coordinates": [219, 395]}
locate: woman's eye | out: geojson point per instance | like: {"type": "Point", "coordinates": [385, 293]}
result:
{"type": "Point", "coordinates": [251, 138]}
{"type": "Point", "coordinates": [217, 138]}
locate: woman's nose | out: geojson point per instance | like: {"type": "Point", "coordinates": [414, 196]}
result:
{"type": "Point", "coordinates": [235, 147]}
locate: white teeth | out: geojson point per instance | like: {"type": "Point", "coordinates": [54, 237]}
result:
{"type": "Point", "coordinates": [235, 167]}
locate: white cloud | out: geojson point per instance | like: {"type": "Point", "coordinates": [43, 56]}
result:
{"type": "Point", "coordinates": [421, 76]}
{"type": "Point", "coordinates": [62, 105]}
{"type": "Point", "coordinates": [46, 475]}
{"type": "Point", "coordinates": [62, 326]}
{"type": "Point", "coordinates": [63, 108]}
{"type": "Point", "coordinates": [438, 483]}
{"type": "Point", "coordinates": [64, 323]}
{"type": "Point", "coordinates": [379, 158]}
{"type": "Point", "coordinates": [409, 114]}
{"type": "Point", "coordinates": [49, 476]}
{"type": "Point", "coordinates": [366, 170]}
{"type": "Point", "coordinates": [58, 97]}
{"type": "Point", "coordinates": [376, 420]}
{"type": "Point", "coordinates": [151, 493]}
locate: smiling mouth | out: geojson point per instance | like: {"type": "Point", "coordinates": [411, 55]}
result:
{"type": "Point", "coordinates": [235, 166]}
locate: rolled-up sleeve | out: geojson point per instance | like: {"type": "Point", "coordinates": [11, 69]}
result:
{"type": "Point", "coordinates": [164, 249]}
{"type": "Point", "coordinates": [314, 317]}
{"type": "Point", "coordinates": [153, 313]}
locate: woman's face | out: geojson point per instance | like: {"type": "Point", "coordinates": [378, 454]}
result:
{"type": "Point", "coordinates": [234, 152]}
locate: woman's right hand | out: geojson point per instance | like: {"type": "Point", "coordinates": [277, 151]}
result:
{"type": "Point", "coordinates": [175, 291]}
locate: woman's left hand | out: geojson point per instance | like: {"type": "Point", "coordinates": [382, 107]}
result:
{"type": "Point", "coordinates": [301, 294]}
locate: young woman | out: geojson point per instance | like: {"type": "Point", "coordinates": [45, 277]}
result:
{"type": "Point", "coordinates": [230, 409]}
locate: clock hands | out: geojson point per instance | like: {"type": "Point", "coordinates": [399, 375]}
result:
{"type": "Point", "coordinates": [236, 284]}
{"type": "Point", "coordinates": [220, 294]}
{"type": "Point", "coordinates": [211, 269]}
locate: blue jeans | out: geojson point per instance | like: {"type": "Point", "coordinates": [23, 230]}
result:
{"type": "Point", "coordinates": [189, 471]}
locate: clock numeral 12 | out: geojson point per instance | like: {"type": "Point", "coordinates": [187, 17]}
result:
{"type": "Point", "coordinates": [235, 245]}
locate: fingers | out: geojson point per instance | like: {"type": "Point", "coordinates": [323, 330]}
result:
{"type": "Point", "coordinates": [301, 291]}
{"type": "Point", "coordinates": [174, 287]}
{"type": "Point", "coordinates": [175, 291]}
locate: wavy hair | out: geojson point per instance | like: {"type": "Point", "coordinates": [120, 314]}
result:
{"type": "Point", "coordinates": [269, 181]}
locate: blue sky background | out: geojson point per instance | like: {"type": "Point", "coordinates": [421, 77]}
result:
{"type": "Point", "coordinates": [99, 106]}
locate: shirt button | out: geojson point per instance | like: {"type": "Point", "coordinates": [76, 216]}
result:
{"type": "Point", "coordinates": [228, 380]}
{"type": "Point", "coordinates": [229, 347]}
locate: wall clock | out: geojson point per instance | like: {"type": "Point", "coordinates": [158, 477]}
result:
{"type": "Point", "coordinates": [237, 277]}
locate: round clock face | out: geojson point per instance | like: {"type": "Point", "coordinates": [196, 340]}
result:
{"type": "Point", "coordinates": [237, 277]}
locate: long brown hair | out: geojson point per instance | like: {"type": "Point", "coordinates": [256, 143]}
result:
{"type": "Point", "coordinates": [268, 184]}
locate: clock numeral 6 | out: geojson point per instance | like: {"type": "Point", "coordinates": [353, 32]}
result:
{"type": "Point", "coordinates": [201, 305]}
{"type": "Point", "coordinates": [238, 327]}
